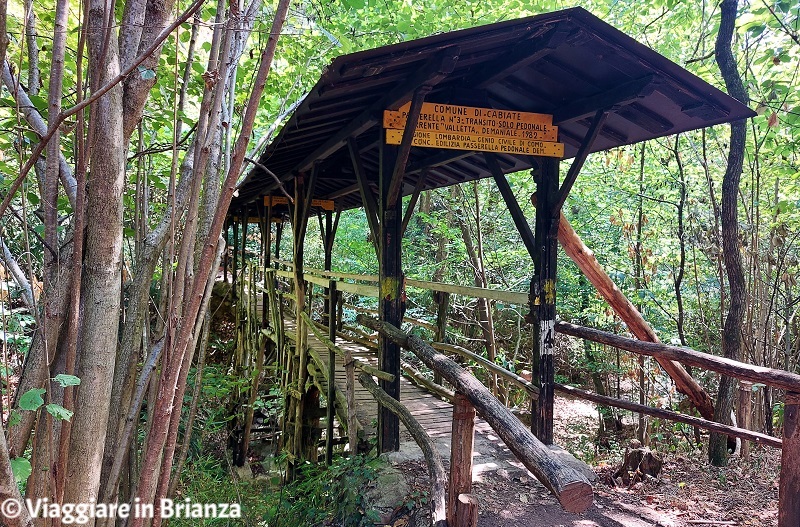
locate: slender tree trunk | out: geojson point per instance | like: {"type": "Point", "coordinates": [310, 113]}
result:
{"type": "Point", "coordinates": [732, 331]}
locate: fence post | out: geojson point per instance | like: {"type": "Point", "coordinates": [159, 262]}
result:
{"type": "Point", "coordinates": [466, 511]}
{"type": "Point", "coordinates": [443, 304]}
{"type": "Point", "coordinates": [789, 491]}
{"type": "Point", "coordinates": [331, 395]}
{"type": "Point", "coordinates": [460, 481]}
{"type": "Point", "coordinates": [743, 416]}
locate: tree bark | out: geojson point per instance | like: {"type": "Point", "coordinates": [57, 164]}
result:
{"type": "Point", "coordinates": [101, 266]}
{"type": "Point", "coordinates": [732, 331]}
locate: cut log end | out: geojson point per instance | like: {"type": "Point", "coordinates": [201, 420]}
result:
{"type": "Point", "coordinates": [576, 497]}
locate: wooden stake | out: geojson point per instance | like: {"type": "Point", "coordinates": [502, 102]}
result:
{"type": "Point", "coordinates": [789, 491]}
{"type": "Point", "coordinates": [463, 436]}
{"type": "Point", "coordinates": [743, 415]}
{"type": "Point", "coordinates": [466, 511]}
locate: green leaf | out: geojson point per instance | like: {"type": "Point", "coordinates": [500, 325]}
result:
{"type": "Point", "coordinates": [66, 380]}
{"type": "Point", "coordinates": [21, 468]}
{"type": "Point", "coordinates": [14, 418]}
{"type": "Point", "coordinates": [32, 399]}
{"type": "Point", "coordinates": [59, 412]}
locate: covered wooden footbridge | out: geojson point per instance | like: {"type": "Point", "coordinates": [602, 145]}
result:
{"type": "Point", "coordinates": [391, 122]}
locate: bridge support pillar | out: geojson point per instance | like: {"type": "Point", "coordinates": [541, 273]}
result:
{"type": "Point", "coordinates": [391, 292]}
{"type": "Point", "coordinates": [543, 296]}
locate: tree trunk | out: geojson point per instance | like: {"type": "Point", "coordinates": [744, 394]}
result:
{"type": "Point", "coordinates": [732, 331]}
{"type": "Point", "coordinates": [101, 266]}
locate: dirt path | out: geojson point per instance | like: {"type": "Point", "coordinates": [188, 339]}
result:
{"type": "Point", "coordinates": [689, 492]}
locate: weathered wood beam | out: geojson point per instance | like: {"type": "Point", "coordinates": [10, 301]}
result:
{"type": "Point", "coordinates": [391, 294]}
{"type": "Point", "coordinates": [521, 55]}
{"type": "Point", "coordinates": [578, 161]}
{"type": "Point", "coordinates": [616, 96]}
{"type": "Point", "coordinates": [413, 201]}
{"type": "Point", "coordinates": [398, 174]}
{"type": "Point", "coordinates": [572, 490]}
{"type": "Point", "coordinates": [543, 300]}
{"type": "Point", "coordinates": [437, 69]}
{"type": "Point", "coordinates": [789, 488]}
{"type": "Point", "coordinates": [749, 435]}
{"type": "Point", "coordinates": [367, 196]}
{"type": "Point", "coordinates": [585, 260]}
{"type": "Point", "coordinates": [462, 439]}
{"type": "Point", "coordinates": [532, 389]}
{"type": "Point", "coordinates": [511, 202]}
{"type": "Point", "coordinates": [421, 437]}
{"type": "Point", "coordinates": [741, 370]}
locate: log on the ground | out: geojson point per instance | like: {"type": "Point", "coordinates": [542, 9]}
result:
{"type": "Point", "coordinates": [571, 489]}
{"type": "Point", "coordinates": [584, 258]}
{"type": "Point", "coordinates": [434, 462]}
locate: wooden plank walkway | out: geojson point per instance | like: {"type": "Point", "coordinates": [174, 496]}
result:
{"type": "Point", "coordinates": [434, 414]}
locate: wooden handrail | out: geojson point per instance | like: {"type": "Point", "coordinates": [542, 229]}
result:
{"type": "Point", "coordinates": [421, 437]}
{"type": "Point", "coordinates": [363, 366]}
{"type": "Point", "coordinates": [741, 370]}
{"type": "Point", "coordinates": [670, 415]}
{"type": "Point", "coordinates": [572, 489]}
{"type": "Point", "coordinates": [501, 295]}
{"type": "Point", "coordinates": [532, 389]}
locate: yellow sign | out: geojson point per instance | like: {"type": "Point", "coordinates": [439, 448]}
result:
{"type": "Point", "coordinates": [324, 204]}
{"type": "Point", "coordinates": [480, 143]}
{"type": "Point", "coordinates": [468, 119]}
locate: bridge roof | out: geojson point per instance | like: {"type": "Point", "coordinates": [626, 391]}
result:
{"type": "Point", "coordinates": [567, 63]}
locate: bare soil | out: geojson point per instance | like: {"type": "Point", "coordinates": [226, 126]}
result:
{"type": "Point", "coordinates": [688, 493]}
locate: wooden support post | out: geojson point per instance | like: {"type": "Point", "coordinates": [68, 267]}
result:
{"type": "Point", "coordinates": [225, 256]}
{"type": "Point", "coordinates": [466, 511]}
{"type": "Point", "coordinates": [330, 312]}
{"type": "Point", "coordinates": [460, 481]}
{"type": "Point", "coordinates": [743, 415]}
{"type": "Point", "coordinates": [544, 299]}
{"type": "Point", "coordinates": [391, 283]}
{"type": "Point", "coordinates": [235, 257]}
{"type": "Point", "coordinates": [789, 491]}
{"type": "Point", "coordinates": [442, 307]}
{"type": "Point", "coordinates": [585, 260]}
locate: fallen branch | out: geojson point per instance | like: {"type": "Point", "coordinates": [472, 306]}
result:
{"type": "Point", "coordinates": [432, 459]}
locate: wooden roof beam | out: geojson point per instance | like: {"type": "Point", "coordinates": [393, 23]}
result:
{"type": "Point", "coordinates": [523, 54]}
{"type": "Point", "coordinates": [607, 100]}
{"type": "Point", "coordinates": [577, 163]}
{"type": "Point", "coordinates": [433, 72]}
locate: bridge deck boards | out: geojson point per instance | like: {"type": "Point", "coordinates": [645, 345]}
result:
{"type": "Point", "coordinates": [433, 413]}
